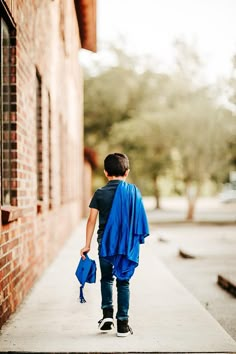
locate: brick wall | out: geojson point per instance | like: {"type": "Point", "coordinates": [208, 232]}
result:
{"type": "Point", "coordinates": [47, 45]}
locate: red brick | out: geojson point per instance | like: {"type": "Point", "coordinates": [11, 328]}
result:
{"type": "Point", "coordinates": [3, 261]}
{"type": "Point", "coordinates": [4, 316]}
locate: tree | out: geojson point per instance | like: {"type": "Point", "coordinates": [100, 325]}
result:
{"type": "Point", "coordinates": [166, 123]}
{"type": "Point", "coordinates": [146, 140]}
{"type": "Point", "coordinates": [112, 96]}
{"type": "Point", "coordinates": [201, 128]}
{"type": "Point", "coordinates": [201, 141]}
{"type": "Point", "coordinates": [232, 120]}
{"type": "Point", "coordinates": [118, 103]}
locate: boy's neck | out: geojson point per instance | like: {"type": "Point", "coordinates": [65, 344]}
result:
{"type": "Point", "coordinates": [120, 178]}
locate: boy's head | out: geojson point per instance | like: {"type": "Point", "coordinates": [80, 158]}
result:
{"type": "Point", "coordinates": [116, 165]}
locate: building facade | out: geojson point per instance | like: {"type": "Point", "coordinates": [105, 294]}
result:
{"type": "Point", "coordinates": [41, 125]}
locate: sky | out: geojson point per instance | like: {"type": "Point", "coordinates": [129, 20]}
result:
{"type": "Point", "coordinates": [149, 28]}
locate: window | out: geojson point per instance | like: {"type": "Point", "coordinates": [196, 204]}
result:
{"type": "Point", "coordinates": [49, 152]}
{"type": "Point", "coordinates": [8, 114]}
{"type": "Point", "coordinates": [39, 138]}
{"type": "Point", "coordinates": [5, 115]}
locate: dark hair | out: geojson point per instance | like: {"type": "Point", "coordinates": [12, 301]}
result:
{"type": "Point", "coordinates": [116, 164]}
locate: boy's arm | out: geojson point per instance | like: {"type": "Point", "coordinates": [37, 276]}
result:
{"type": "Point", "coordinates": [89, 231]}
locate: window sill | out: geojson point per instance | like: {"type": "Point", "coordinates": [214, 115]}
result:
{"type": "Point", "coordinates": [10, 213]}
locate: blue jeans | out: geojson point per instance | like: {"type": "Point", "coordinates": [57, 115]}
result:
{"type": "Point", "coordinates": [123, 293]}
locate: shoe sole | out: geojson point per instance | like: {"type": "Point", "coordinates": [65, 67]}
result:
{"type": "Point", "coordinates": [123, 334]}
{"type": "Point", "coordinates": [106, 324]}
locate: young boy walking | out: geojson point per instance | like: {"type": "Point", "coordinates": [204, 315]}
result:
{"type": "Point", "coordinates": [122, 228]}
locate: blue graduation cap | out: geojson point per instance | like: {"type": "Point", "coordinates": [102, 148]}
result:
{"type": "Point", "coordinates": [85, 273]}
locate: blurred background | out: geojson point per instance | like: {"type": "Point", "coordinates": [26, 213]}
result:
{"type": "Point", "coordinates": [161, 88]}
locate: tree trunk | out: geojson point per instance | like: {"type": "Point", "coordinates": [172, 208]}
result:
{"type": "Point", "coordinates": [156, 193]}
{"type": "Point", "coordinates": [192, 192]}
{"type": "Point", "coordinates": [191, 209]}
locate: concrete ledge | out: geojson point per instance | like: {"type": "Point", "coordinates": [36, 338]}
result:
{"type": "Point", "coordinates": [163, 239]}
{"type": "Point", "coordinates": [186, 254]}
{"type": "Point", "coordinates": [116, 352]}
{"type": "Point", "coordinates": [228, 282]}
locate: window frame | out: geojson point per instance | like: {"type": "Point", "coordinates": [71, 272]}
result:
{"type": "Point", "coordinates": [9, 211]}
{"type": "Point", "coordinates": [39, 140]}
{"type": "Point", "coordinates": [50, 168]}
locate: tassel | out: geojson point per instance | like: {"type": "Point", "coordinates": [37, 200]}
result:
{"type": "Point", "coordinates": [81, 295]}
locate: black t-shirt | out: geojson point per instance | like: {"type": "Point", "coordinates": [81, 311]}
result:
{"type": "Point", "coordinates": [102, 201]}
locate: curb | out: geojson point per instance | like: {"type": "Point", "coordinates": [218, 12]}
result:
{"type": "Point", "coordinates": [186, 254]}
{"type": "Point", "coordinates": [228, 283]}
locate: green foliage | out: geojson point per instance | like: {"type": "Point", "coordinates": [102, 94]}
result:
{"type": "Point", "coordinates": [232, 122]}
{"type": "Point", "coordinates": [171, 126]}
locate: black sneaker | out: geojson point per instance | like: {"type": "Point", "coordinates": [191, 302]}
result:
{"type": "Point", "coordinates": [107, 322]}
{"type": "Point", "coordinates": [123, 329]}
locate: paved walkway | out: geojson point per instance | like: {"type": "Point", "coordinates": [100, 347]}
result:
{"type": "Point", "coordinates": [174, 209]}
{"type": "Point", "coordinates": [164, 316]}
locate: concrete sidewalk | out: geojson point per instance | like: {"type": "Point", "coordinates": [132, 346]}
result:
{"type": "Point", "coordinates": [174, 210]}
{"type": "Point", "coordinates": [164, 316]}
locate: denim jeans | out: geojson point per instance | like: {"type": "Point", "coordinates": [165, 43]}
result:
{"type": "Point", "coordinates": [123, 293]}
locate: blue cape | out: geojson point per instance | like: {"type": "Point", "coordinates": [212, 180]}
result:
{"type": "Point", "coordinates": [125, 230]}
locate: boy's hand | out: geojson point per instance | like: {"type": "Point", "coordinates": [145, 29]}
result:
{"type": "Point", "coordinates": [83, 251]}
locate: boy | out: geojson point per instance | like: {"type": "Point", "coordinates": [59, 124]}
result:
{"type": "Point", "coordinates": [122, 227]}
